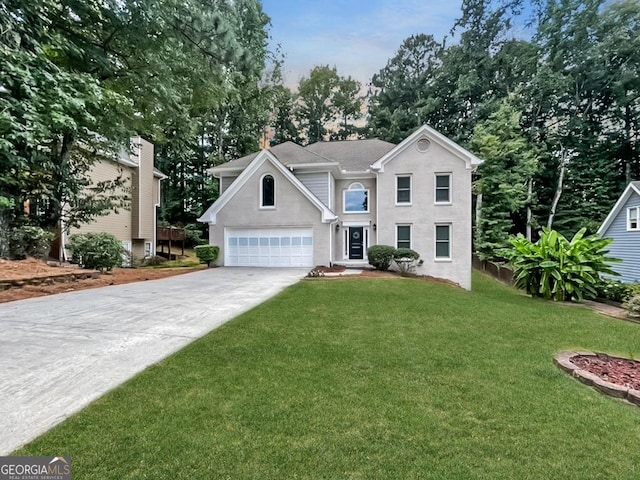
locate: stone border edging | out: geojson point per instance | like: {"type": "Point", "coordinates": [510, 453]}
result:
{"type": "Point", "coordinates": [48, 279]}
{"type": "Point", "coordinates": [563, 361]}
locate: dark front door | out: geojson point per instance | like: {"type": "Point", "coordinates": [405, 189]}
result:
{"type": "Point", "coordinates": [356, 243]}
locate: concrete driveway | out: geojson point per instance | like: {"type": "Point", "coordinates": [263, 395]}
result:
{"type": "Point", "coordinates": [59, 353]}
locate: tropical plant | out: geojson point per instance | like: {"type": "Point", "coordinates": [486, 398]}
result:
{"type": "Point", "coordinates": [381, 256]}
{"type": "Point", "coordinates": [99, 251]}
{"type": "Point", "coordinates": [559, 269]}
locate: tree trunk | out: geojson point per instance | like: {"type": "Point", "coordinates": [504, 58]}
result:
{"type": "Point", "coordinates": [529, 216]}
{"type": "Point", "coordinates": [478, 214]}
{"type": "Point", "coordinates": [556, 196]}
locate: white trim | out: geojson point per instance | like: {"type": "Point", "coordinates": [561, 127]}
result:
{"type": "Point", "coordinates": [613, 214]}
{"type": "Point", "coordinates": [433, 136]}
{"type": "Point", "coordinates": [410, 202]}
{"type": "Point", "coordinates": [261, 204]}
{"type": "Point", "coordinates": [435, 242]}
{"type": "Point", "coordinates": [435, 188]}
{"type": "Point", "coordinates": [356, 223]}
{"type": "Point", "coordinates": [637, 219]}
{"type": "Point", "coordinates": [264, 156]}
{"type": "Point", "coordinates": [410, 234]}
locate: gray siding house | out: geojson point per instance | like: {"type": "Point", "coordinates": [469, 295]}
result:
{"type": "Point", "coordinates": [327, 203]}
{"type": "Point", "coordinates": [623, 226]}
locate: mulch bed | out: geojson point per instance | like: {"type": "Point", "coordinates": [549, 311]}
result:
{"type": "Point", "coordinates": [620, 371]}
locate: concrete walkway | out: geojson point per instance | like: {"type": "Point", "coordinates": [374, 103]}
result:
{"type": "Point", "coordinates": [59, 353]}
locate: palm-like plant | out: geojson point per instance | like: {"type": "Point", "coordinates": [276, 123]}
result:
{"type": "Point", "coordinates": [559, 269]}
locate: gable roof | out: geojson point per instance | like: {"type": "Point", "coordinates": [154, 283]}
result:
{"type": "Point", "coordinates": [259, 159]}
{"type": "Point", "coordinates": [432, 135]}
{"type": "Point", "coordinates": [288, 153]}
{"type": "Point", "coordinates": [633, 187]}
{"type": "Point", "coordinates": [352, 155]}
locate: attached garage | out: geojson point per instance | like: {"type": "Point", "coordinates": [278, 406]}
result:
{"type": "Point", "coordinates": [273, 247]}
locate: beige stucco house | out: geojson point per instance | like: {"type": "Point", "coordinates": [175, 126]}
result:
{"type": "Point", "coordinates": [327, 203]}
{"type": "Point", "coordinates": [134, 227]}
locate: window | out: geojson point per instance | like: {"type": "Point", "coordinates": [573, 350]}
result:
{"type": "Point", "coordinates": [633, 218]}
{"type": "Point", "coordinates": [147, 249]}
{"type": "Point", "coordinates": [403, 236]}
{"type": "Point", "coordinates": [403, 190]}
{"type": "Point", "coordinates": [356, 199]}
{"type": "Point", "coordinates": [443, 188]}
{"type": "Point", "coordinates": [268, 192]}
{"type": "Point", "coordinates": [443, 242]}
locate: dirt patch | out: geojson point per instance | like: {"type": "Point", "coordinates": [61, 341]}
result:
{"type": "Point", "coordinates": [620, 371]}
{"type": "Point", "coordinates": [31, 268]}
{"type": "Point", "coordinates": [332, 269]}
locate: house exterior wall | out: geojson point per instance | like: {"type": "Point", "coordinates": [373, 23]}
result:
{"type": "Point", "coordinates": [142, 195]}
{"type": "Point", "coordinates": [424, 214]}
{"type": "Point", "coordinates": [291, 210]}
{"type": "Point", "coordinates": [626, 245]}
{"type": "Point", "coordinates": [318, 183]}
{"type": "Point", "coordinates": [225, 182]}
{"type": "Point", "coordinates": [118, 224]}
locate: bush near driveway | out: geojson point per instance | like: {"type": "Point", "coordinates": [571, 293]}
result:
{"type": "Point", "coordinates": [207, 253]}
{"type": "Point", "coordinates": [99, 251]}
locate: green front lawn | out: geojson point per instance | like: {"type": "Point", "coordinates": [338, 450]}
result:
{"type": "Point", "coordinates": [369, 378]}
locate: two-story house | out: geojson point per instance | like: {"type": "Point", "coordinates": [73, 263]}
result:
{"type": "Point", "coordinates": [327, 203]}
{"type": "Point", "coordinates": [135, 227]}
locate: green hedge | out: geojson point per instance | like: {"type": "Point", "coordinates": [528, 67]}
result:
{"type": "Point", "coordinates": [381, 256]}
{"type": "Point", "coordinates": [207, 253]}
{"type": "Point", "coordinates": [99, 251]}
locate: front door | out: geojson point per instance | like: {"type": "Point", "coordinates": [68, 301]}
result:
{"type": "Point", "coordinates": [356, 243]}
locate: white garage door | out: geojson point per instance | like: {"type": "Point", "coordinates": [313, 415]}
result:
{"type": "Point", "coordinates": [275, 247]}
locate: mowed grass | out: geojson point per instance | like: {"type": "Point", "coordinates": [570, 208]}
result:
{"type": "Point", "coordinates": [369, 378]}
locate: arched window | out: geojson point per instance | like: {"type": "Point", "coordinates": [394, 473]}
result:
{"type": "Point", "coordinates": [356, 198]}
{"type": "Point", "coordinates": [268, 192]}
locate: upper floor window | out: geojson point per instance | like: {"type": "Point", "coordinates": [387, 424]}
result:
{"type": "Point", "coordinates": [633, 218]}
{"type": "Point", "coordinates": [356, 199]}
{"type": "Point", "coordinates": [267, 192]}
{"type": "Point", "coordinates": [443, 188]}
{"type": "Point", "coordinates": [403, 189]}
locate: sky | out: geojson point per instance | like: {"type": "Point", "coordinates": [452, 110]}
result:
{"type": "Point", "coordinates": [355, 36]}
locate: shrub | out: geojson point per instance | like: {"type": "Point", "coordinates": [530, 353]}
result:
{"type": "Point", "coordinates": [154, 261]}
{"type": "Point", "coordinates": [207, 253]}
{"type": "Point", "coordinates": [612, 290]}
{"type": "Point", "coordinates": [405, 259]}
{"type": "Point", "coordinates": [29, 241]}
{"type": "Point", "coordinates": [99, 251]}
{"type": "Point", "coordinates": [557, 268]}
{"type": "Point", "coordinates": [381, 256]}
{"type": "Point", "coordinates": [632, 306]}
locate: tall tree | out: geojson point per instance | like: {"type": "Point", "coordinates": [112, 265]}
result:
{"type": "Point", "coordinates": [509, 164]}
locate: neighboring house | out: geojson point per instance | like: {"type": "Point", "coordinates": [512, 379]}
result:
{"type": "Point", "coordinates": [623, 226]}
{"type": "Point", "coordinates": [326, 203]}
{"type": "Point", "coordinates": [134, 227]}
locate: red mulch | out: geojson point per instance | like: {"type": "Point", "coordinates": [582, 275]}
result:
{"type": "Point", "coordinates": [620, 371]}
{"type": "Point", "coordinates": [32, 268]}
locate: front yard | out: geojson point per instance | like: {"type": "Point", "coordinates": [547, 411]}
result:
{"type": "Point", "coordinates": [369, 378]}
